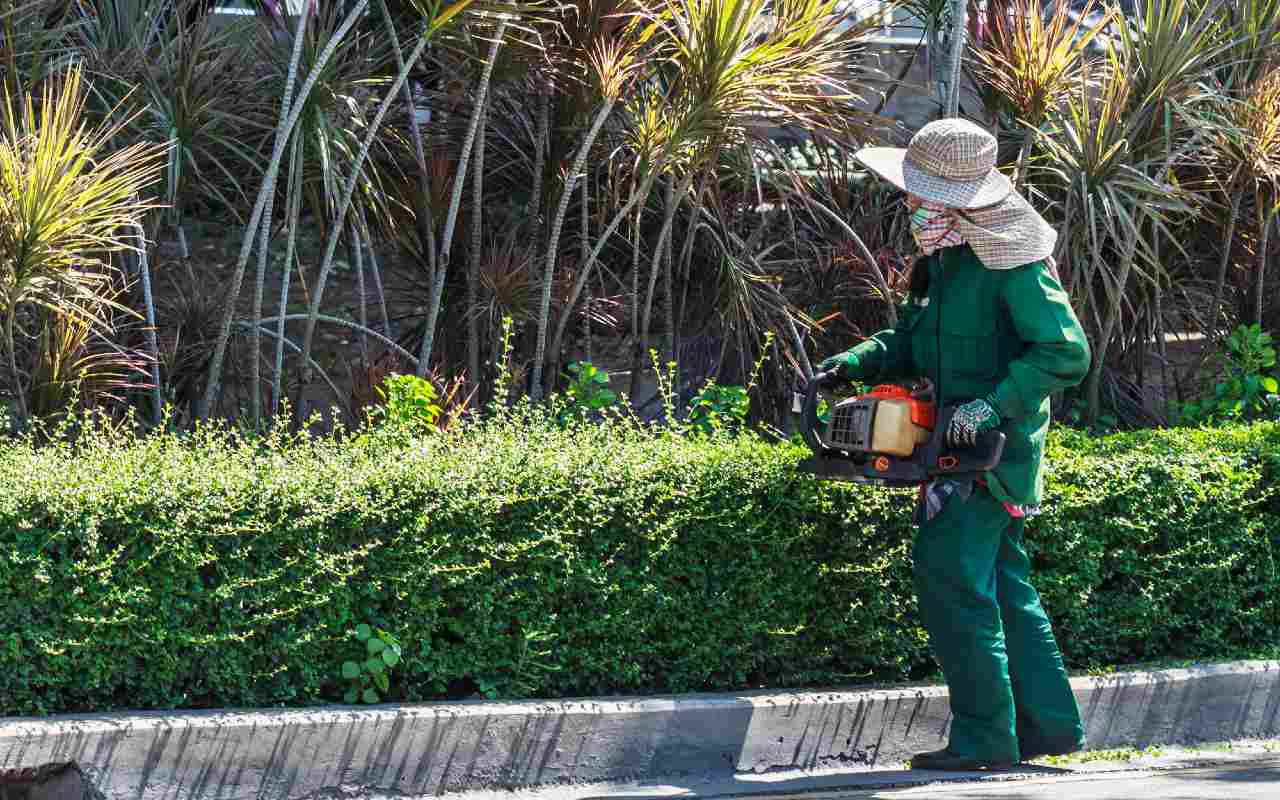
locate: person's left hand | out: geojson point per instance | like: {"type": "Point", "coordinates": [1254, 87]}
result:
{"type": "Point", "coordinates": [970, 421]}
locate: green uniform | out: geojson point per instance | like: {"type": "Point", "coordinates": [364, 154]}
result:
{"type": "Point", "coordinates": [1011, 336]}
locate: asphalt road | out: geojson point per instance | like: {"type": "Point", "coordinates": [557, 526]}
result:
{"type": "Point", "coordinates": [1243, 770]}
{"type": "Point", "coordinates": [1256, 781]}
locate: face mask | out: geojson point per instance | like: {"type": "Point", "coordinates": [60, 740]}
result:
{"type": "Point", "coordinates": [932, 228]}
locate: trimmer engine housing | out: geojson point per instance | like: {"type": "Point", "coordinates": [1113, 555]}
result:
{"type": "Point", "coordinates": [893, 435]}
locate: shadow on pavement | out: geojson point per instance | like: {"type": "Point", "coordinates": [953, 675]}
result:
{"type": "Point", "coordinates": [767, 785]}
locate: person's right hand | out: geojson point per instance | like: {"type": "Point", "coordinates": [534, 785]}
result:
{"type": "Point", "coordinates": [845, 365]}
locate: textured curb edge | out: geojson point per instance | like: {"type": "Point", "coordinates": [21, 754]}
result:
{"type": "Point", "coordinates": [436, 747]}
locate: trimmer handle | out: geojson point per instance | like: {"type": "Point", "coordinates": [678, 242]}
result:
{"type": "Point", "coordinates": [809, 421]}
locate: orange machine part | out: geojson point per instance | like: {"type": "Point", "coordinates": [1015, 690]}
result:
{"type": "Point", "coordinates": [923, 413]}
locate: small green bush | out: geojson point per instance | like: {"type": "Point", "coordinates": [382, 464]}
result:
{"type": "Point", "coordinates": [1248, 389]}
{"type": "Point", "coordinates": [521, 557]}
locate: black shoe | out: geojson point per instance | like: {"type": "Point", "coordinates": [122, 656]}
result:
{"type": "Point", "coordinates": [948, 761]}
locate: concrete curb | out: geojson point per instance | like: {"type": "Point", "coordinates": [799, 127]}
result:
{"type": "Point", "coordinates": [437, 747]}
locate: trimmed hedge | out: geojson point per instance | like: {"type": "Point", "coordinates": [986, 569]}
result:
{"type": "Point", "coordinates": [517, 559]}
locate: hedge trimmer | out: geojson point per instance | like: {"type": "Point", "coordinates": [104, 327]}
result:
{"type": "Point", "coordinates": [892, 436]}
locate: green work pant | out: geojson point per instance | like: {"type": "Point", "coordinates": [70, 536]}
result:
{"type": "Point", "coordinates": [1010, 697]}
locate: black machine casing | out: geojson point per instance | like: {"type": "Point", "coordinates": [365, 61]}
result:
{"type": "Point", "coordinates": [930, 460]}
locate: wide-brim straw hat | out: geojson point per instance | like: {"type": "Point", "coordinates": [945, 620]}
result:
{"type": "Point", "coordinates": [952, 162]}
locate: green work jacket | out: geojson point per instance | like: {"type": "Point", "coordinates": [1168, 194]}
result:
{"type": "Point", "coordinates": [1008, 335]}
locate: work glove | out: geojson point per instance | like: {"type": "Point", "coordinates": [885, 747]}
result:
{"type": "Point", "coordinates": [970, 421]}
{"type": "Point", "coordinates": [844, 366]}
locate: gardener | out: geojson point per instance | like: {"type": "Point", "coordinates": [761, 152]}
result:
{"type": "Point", "coordinates": [988, 322]}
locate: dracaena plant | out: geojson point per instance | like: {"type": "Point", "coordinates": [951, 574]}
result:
{"type": "Point", "coordinates": [68, 203]}
{"type": "Point", "coordinates": [1170, 49]}
{"type": "Point", "coordinates": [1243, 119]}
{"type": "Point", "coordinates": [735, 69]}
{"type": "Point", "coordinates": [1033, 63]}
{"type": "Point", "coordinates": [1251, 30]}
{"type": "Point", "coordinates": [1245, 147]}
{"type": "Point", "coordinates": [1115, 205]}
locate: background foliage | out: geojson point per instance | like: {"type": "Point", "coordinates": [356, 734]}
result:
{"type": "Point", "coordinates": [384, 181]}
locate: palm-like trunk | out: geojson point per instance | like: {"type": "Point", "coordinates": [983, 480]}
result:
{"type": "Point", "coordinates": [446, 238]}
{"type": "Point", "coordinates": [19, 391]}
{"type": "Point", "coordinates": [642, 342]}
{"type": "Point", "coordinates": [293, 211]}
{"type": "Point", "coordinates": [1024, 154]}
{"type": "Point", "coordinates": [1228, 239]}
{"type": "Point", "coordinates": [473, 256]}
{"type": "Point", "coordinates": [374, 270]}
{"type": "Point", "coordinates": [553, 244]}
{"type": "Point", "coordinates": [959, 32]}
{"type": "Point", "coordinates": [584, 247]}
{"type": "Point", "coordinates": [1268, 215]}
{"type": "Point", "coordinates": [213, 381]}
{"type": "Point", "coordinates": [1115, 303]}
{"type": "Point", "coordinates": [636, 202]}
{"type": "Point", "coordinates": [255, 330]}
{"type": "Point", "coordinates": [355, 248]}
{"type": "Point", "coordinates": [422, 216]}
{"type": "Point", "coordinates": [342, 209]}
{"type": "Point", "coordinates": [542, 138]}
{"type": "Point", "coordinates": [153, 346]}
{"type": "Point", "coordinates": [635, 277]}
{"type": "Point", "coordinates": [668, 288]}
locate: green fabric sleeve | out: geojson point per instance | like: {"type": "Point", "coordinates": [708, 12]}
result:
{"type": "Point", "coordinates": [889, 351]}
{"type": "Point", "coordinates": [1057, 352]}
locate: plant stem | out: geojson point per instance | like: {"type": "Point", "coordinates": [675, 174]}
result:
{"type": "Point", "coordinates": [635, 275]}
{"type": "Point", "coordinates": [584, 245]}
{"type": "Point", "coordinates": [1227, 240]}
{"type": "Point", "coordinates": [553, 243]}
{"type": "Point", "coordinates": [282, 341]}
{"type": "Point", "coordinates": [642, 343]}
{"type": "Point", "coordinates": [668, 289]}
{"type": "Point", "coordinates": [153, 346]}
{"type": "Point", "coordinates": [446, 238]}
{"type": "Point", "coordinates": [355, 247]}
{"type": "Point", "coordinates": [19, 393]}
{"type": "Point", "coordinates": [1115, 302]}
{"type": "Point", "coordinates": [292, 211]}
{"type": "Point", "coordinates": [1269, 216]}
{"type": "Point", "coordinates": [255, 332]}
{"type": "Point", "coordinates": [1024, 153]}
{"type": "Point", "coordinates": [346, 323]}
{"type": "Point", "coordinates": [541, 140]}
{"type": "Point", "coordinates": [881, 282]}
{"type": "Point", "coordinates": [344, 205]}
{"type": "Point", "coordinates": [268, 186]}
{"type": "Point", "coordinates": [798, 342]}
{"type": "Point", "coordinates": [422, 217]}
{"type": "Point", "coordinates": [374, 270]}
{"type": "Point", "coordinates": [473, 256]}
{"type": "Point", "coordinates": [636, 201]}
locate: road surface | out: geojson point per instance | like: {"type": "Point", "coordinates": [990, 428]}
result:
{"type": "Point", "coordinates": [1259, 780]}
{"type": "Point", "coordinates": [1241, 770]}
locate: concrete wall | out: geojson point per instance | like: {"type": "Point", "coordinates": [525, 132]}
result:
{"type": "Point", "coordinates": [436, 747]}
